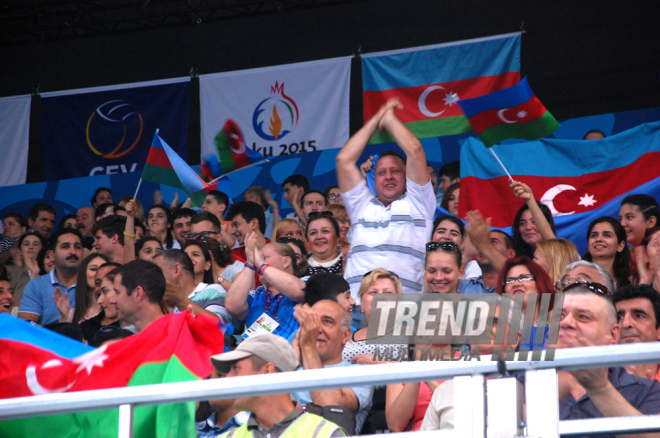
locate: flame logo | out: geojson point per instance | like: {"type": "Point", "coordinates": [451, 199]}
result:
{"type": "Point", "coordinates": [275, 123]}
{"type": "Point", "coordinates": [278, 124]}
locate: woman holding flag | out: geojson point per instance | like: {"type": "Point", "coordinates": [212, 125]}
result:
{"type": "Point", "coordinates": [532, 223]}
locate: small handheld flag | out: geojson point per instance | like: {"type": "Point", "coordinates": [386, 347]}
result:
{"type": "Point", "coordinates": [231, 153]}
{"type": "Point", "coordinates": [513, 112]}
{"type": "Point", "coordinates": [164, 166]}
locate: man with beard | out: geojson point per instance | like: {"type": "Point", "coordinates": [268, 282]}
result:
{"type": "Point", "coordinates": [37, 304]}
{"type": "Point", "coordinates": [84, 223]}
{"type": "Point", "coordinates": [638, 310]}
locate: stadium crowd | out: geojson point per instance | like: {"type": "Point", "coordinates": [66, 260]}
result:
{"type": "Point", "coordinates": [297, 291]}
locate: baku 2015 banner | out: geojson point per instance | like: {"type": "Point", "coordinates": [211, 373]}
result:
{"type": "Point", "coordinates": [108, 130]}
{"type": "Point", "coordinates": [279, 110]}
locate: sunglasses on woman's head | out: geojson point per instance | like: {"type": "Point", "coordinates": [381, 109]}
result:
{"type": "Point", "coordinates": [285, 239]}
{"type": "Point", "coordinates": [445, 246]}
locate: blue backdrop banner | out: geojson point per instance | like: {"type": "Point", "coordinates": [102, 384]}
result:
{"type": "Point", "coordinates": [109, 130]}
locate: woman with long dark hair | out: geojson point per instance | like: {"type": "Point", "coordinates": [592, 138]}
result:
{"type": "Point", "coordinates": [200, 255]}
{"type": "Point", "coordinates": [606, 241]}
{"type": "Point", "coordinates": [159, 223]}
{"type": "Point", "coordinates": [533, 222]}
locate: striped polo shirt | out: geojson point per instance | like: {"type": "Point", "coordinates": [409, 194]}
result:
{"type": "Point", "coordinates": [392, 237]}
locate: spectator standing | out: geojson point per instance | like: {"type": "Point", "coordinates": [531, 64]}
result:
{"type": "Point", "coordinates": [389, 230]}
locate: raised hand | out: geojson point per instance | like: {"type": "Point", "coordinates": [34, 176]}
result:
{"type": "Point", "coordinates": [366, 166]}
{"type": "Point", "coordinates": [521, 190]}
{"type": "Point", "coordinates": [62, 303]}
{"type": "Point", "coordinates": [250, 248]}
{"type": "Point", "coordinates": [478, 228]}
{"type": "Point", "coordinates": [387, 112]}
{"type": "Point", "coordinates": [131, 208]}
{"type": "Point", "coordinates": [309, 325]}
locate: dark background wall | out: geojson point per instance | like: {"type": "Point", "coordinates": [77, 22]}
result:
{"type": "Point", "coordinates": [581, 57]}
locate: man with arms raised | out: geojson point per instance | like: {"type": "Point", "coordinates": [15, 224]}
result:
{"type": "Point", "coordinates": [37, 304]}
{"type": "Point", "coordinates": [139, 289]}
{"type": "Point", "coordinates": [324, 330]}
{"type": "Point", "coordinates": [391, 228]}
{"type": "Point", "coordinates": [638, 310]}
{"type": "Point", "coordinates": [273, 416]}
{"type": "Point", "coordinates": [495, 248]}
{"type": "Point", "coordinates": [588, 318]}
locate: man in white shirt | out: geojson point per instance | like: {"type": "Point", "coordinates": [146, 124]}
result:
{"type": "Point", "coordinates": [391, 228]}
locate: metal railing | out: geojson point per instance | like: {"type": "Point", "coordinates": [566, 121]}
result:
{"type": "Point", "coordinates": [541, 416]}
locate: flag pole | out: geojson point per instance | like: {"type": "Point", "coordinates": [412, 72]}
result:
{"type": "Point", "coordinates": [245, 167]}
{"type": "Point", "coordinates": [140, 182]}
{"type": "Point", "coordinates": [498, 160]}
{"type": "Point", "coordinates": [138, 188]}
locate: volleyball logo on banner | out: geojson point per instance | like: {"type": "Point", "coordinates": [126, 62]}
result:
{"type": "Point", "coordinates": [279, 110]}
{"type": "Point", "coordinates": [108, 130]}
{"type": "Point", "coordinates": [114, 129]}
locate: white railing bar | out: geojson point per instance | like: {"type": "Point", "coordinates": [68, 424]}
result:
{"type": "Point", "coordinates": [591, 357]}
{"type": "Point", "coordinates": [646, 423]}
{"type": "Point", "coordinates": [125, 421]}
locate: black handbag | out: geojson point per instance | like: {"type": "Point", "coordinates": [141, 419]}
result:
{"type": "Point", "coordinates": [340, 415]}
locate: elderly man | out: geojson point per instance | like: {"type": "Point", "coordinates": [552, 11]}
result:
{"type": "Point", "coordinates": [583, 271]}
{"type": "Point", "coordinates": [638, 310]}
{"type": "Point", "coordinates": [324, 330]}
{"type": "Point", "coordinates": [589, 318]}
{"type": "Point", "coordinates": [272, 416]}
{"type": "Point", "coordinates": [391, 228]}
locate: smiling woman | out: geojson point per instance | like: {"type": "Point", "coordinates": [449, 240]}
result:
{"type": "Point", "coordinates": [159, 223]}
{"type": "Point", "coordinates": [323, 238]}
{"type": "Point", "coordinates": [443, 267]}
{"type": "Point", "coordinates": [606, 241]}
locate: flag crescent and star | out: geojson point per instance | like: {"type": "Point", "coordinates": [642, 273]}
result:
{"type": "Point", "coordinates": [86, 362]}
{"type": "Point", "coordinates": [450, 99]}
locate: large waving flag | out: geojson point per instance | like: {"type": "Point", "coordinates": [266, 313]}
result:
{"type": "Point", "coordinates": [569, 176]}
{"type": "Point", "coordinates": [514, 112]}
{"type": "Point", "coordinates": [429, 81]}
{"type": "Point", "coordinates": [164, 166]}
{"type": "Point", "coordinates": [174, 348]}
